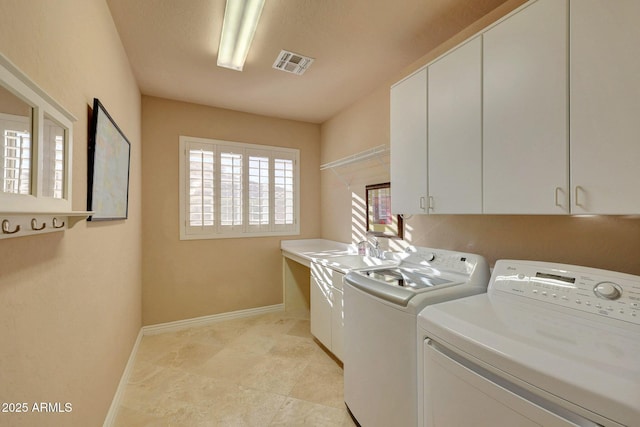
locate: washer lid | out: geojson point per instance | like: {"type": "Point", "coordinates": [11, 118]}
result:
{"type": "Point", "coordinates": [589, 363]}
{"type": "Point", "coordinates": [380, 289]}
{"type": "Point", "coordinates": [397, 285]}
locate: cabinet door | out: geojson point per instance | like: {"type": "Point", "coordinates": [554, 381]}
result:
{"type": "Point", "coordinates": [455, 131]}
{"type": "Point", "coordinates": [525, 153]}
{"type": "Point", "coordinates": [409, 144]}
{"type": "Point", "coordinates": [605, 106]}
{"type": "Point", "coordinates": [337, 325]}
{"type": "Point", "coordinates": [321, 302]}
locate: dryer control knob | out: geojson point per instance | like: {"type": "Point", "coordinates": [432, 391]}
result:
{"type": "Point", "coordinates": [607, 290]}
{"type": "Point", "coordinates": [430, 256]}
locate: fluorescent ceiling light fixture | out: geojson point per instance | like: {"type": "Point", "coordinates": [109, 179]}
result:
{"type": "Point", "coordinates": [240, 21]}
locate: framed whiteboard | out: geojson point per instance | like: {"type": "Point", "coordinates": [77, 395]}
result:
{"type": "Point", "coordinates": [109, 158]}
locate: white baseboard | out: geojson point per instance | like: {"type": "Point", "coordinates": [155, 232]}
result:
{"type": "Point", "coordinates": [124, 379]}
{"type": "Point", "coordinates": [206, 320]}
{"type": "Point", "coordinates": [172, 327]}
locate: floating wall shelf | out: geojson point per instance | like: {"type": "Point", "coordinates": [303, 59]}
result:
{"type": "Point", "coordinates": [376, 153]}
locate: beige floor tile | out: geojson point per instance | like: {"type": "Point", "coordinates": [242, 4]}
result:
{"type": "Point", "coordinates": [189, 355]}
{"type": "Point", "coordinates": [258, 371]}
{"type": "Point", "coordinates": [274, 327]}
{"type": "Point", "coordinates": [131, 418]}
{"type": "Point", "coordinates": [275, 374]}
{"type": "Point", "coordinates": [153, 347]}
{"type": "Point", "coordinates": [320, 383]}
{"type": "Point", "coordinates": [143, 372]}
{"type": "Point", "coordinates": [243, 406]}
{"type": "Point", "coordinates": [298, 413]}
{"type": "Point", "coordinates": [301, 329]}
{"type": "Point", "coordinates": [219, 333]}
{"type": "Point", "coordinates": [229, 364]}
{"type": "Point", "coordinates": [322, 355]}
{"type": "Point", "coordinates": [293, 346]}
{"type": "Point", "coordinates": [252, 342]}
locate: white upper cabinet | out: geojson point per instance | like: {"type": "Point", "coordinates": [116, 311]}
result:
{"type": "Point", "coordinates": [455, 131]}
{"type": "Point", "coordinates": [538, 114]}
{"type": "Point", "coordinates": [605, 106]}
{"type": "Point", "coordinates": [525, 138]}
{"type": "Point", "coordinates": [409, 144]}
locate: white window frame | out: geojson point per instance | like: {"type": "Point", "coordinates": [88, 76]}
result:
{"type": "Point", "coordinates": [245, 229]}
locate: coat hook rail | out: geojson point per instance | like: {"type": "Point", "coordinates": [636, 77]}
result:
{"type": "Point", "coordinates": [55, 223]}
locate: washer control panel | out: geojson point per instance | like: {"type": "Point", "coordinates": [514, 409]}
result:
{"type": "Point", "coordinates": [591, 290]}
{"type": "Point", "coordinates": [441, 259]}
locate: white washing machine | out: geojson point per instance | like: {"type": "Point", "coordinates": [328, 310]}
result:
{"type": "Point", "coordinates": [380, 347]}
{"type": "Point", "coordinates": [547, 345]}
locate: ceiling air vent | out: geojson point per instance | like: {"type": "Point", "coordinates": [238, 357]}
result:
{"type": "Point", "coordinates": [292, 62]}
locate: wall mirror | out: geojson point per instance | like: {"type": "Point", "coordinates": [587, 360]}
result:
{"type": "Point", "coordinates": [35, 146]}
{"type": "Point", "coordinates": [15, 154]}
{"type": "Point", "coordinates": [36, 142]}
{"type": "Point", "coordinates": [380, 221]}
{"type": "Point", "coordinates": [53, 158]}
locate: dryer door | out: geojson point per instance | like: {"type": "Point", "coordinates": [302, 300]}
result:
{"type": "Point", "coordinates": [459, 393]}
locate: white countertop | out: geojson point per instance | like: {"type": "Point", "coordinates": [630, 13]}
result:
{"type": "Point", "coordinates": [335, 255]}
{"type": "Point", "coordinates": [306, 251]}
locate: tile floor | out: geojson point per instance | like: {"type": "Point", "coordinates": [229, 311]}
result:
{"type": "Point", "coordinates": [264, 370]}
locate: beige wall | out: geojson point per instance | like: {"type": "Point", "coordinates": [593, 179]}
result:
{"type": "Point", "coordinates": [364, 125]}
{"type": "Point", "coordinates": [192, 278]}
{"type": "Point", "coordinates": [70, 302]}
{"type": "Point", "coordinates": [604, 242]}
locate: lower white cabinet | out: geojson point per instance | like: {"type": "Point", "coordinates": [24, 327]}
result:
{"type": "Point", "coordinates": [326, 308]}
{"type": "Point", "coordinates": [337, 321]}
{"type": "Point", "coordinates": [327, 315]}
{"type": "Point", "coordinates": [321, 307]}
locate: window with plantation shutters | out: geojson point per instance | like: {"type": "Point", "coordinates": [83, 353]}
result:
{"type": "Point", "coordinates": [230, 189]}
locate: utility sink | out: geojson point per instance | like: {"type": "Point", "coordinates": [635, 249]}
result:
{"type": "Point", "coordinates": [357, 262]}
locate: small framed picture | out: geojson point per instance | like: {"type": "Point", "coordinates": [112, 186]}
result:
{"type": "Point", "coordinates": [380, 221]}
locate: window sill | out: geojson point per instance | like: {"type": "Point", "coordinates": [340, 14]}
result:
{"type": "Point", "coordinates": [239, 235]}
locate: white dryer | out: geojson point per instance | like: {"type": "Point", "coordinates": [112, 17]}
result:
{"type": "Point", "coordinates": [547, 345]}
{"type": "Point", "coordinates": [380, 347]}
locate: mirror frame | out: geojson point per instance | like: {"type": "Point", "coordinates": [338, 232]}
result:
{"type": "Point", "coordinates": [19, 84]}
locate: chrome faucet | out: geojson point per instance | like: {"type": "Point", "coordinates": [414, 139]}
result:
{"type": "Point", "coordinates": [374, 248]}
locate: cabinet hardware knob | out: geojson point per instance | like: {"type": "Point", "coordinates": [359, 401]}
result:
{"type": "Point", "coordinates": [5, 227]}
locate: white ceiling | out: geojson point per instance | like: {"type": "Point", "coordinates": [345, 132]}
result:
{"type": "Point", "coordinates": [358, 45]}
